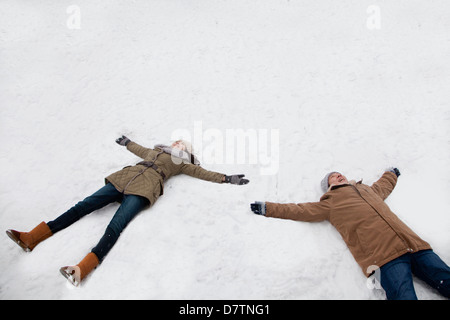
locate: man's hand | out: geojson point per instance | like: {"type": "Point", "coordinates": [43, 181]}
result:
{"type": "Point", "coordinates": [123, 141]}
{"type": "Point", "coordinates": [258, 207]}
{"type": "Point", "coordinates": [394, 170]}
{"type": "Point", "coordinates": [236, 179]}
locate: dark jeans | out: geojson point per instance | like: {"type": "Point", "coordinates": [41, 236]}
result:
{"type": "Point", "coordinates": [131, 205]}
{"type": "Point", "coordinates": [396, 275]}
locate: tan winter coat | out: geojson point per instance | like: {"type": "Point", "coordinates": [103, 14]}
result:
{"type": "Point", "coordinates": [146, 182]}
{"type": "Point", "coordinates": [372, 232]}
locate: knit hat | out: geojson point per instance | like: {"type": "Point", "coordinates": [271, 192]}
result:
{"type": "Point", "coordinates": [324, 183]}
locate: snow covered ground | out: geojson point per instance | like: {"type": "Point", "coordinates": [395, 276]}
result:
{"type": "Point", "coordinates": [356, 86]}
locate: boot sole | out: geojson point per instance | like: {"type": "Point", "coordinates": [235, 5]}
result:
{"type": "Point", "coordinates": [13, 237]}
{"type": "Point", "coordinates": [69, 277]}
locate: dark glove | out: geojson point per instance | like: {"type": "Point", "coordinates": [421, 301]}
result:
{"type": "Point", "coordinates": [236, 179]}
{"type": "Point", "coordinates": [394, 170]}
{"type": "Point", "coordinates": [258, 208]}
{"type": "Point", "coordinates": [123, 141]}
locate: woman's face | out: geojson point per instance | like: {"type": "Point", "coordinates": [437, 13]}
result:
{"type": "Point", "coordinates": [179, 145]}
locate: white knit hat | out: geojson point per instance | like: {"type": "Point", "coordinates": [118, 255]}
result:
{"type": "Point", "coordinates": [324, 183]}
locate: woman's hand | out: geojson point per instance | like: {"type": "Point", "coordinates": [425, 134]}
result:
{"type": "Point", "coordinates": [123, 141]}
{"type": "Point", "coordinates": [235, 179]}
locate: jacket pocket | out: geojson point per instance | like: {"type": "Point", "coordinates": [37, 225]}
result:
{"type": "Point", "coordinates": [364, 241]}
{"type": "Point", "coordinates": [158, 190]}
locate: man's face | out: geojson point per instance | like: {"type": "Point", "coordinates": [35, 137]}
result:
{"type": "Point", "coordinates": [337, 179]}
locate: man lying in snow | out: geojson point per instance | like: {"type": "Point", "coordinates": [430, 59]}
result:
{"type": "Point", "coordinates": [374, 234]}
{"type": "Point", "coordinates": [136, 187]}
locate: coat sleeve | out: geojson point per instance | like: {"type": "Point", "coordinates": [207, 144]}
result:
{"type": "Point", "coordinates": [200, 173]}
{"type": "Point", "coordinates": [309, 212]}
{"type": "Point", "coordinates": [138, 150]}
{"type": "Point", "coordinates": [384, 186]}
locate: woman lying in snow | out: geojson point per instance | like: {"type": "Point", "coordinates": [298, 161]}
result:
{"type": "Point", "coordinates": [374, 234]}
{"type": "Point", "coordinates": [136, 187]}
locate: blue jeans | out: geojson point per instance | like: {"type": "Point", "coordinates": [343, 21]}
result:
{"type": "Point", "coordinates": [396, 275]}
{"type": "Point", "coordinates": [131, 205]}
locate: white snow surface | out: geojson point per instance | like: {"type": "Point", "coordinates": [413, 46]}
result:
{"type": "Point", "coordinates": [343, 97]}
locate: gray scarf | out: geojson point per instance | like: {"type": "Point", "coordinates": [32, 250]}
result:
{"type": "Point", "coordinates": [178, 155]}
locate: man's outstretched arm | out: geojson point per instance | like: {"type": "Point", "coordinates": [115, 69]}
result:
{"type": "Point", "coordinates": [309, 212]}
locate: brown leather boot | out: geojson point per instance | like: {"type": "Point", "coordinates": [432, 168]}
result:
{"type": "Point", "coordinates": [75, 274]}
{"type": "Point", "coordinates": [28, 240]}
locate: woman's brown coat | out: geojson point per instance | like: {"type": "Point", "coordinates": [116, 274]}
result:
{"type": "Point", "coordinates": [147, 182]}
{"type": "Point", "coordinates": [372, 232]}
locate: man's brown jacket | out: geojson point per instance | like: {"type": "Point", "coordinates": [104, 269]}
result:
{"type": "Point", "coordinates": [372, 232]}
